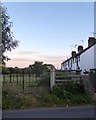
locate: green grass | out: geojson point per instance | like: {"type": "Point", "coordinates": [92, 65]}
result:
{"type": "Point", "coordinates": [42, 97]}
{"type": "Point", "coordinates": [23, 101]}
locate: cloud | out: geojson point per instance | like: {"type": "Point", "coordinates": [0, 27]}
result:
{"type": "Point", "coordinates": [25, 58]}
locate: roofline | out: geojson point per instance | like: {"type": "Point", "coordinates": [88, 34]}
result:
{"type": "Point", "coordinates": [79, 53]}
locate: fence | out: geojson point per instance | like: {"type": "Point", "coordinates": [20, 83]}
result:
{"type": "Point", "coordinates": [89, 80]}
{"type": "Point", "coordinates": [57, 76]}
{"type": "Point", "coordinates": [23, 82]}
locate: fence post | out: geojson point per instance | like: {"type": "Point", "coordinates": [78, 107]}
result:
{"type": "Point", "coordinates": [17, 76]}
{"type": "Point", "coordinates": [23, 81]}
{"type": "Point", "coordinates": [3, 78]}
{"type": "Point", "coordinates": [52, 77]}
{"type": "Point", "coordinates": [10, 76]}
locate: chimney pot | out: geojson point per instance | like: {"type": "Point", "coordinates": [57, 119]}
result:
{"type": "Point", "coordinates": [80, 48]}
{"type": "Point", "coordinates": [73, 53]}
{"type": "Point", "coordinates": [91, 41]}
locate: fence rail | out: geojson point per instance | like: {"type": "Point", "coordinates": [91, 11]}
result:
{"type": "Point", "coordinates": [72, 77]}
{"type": "Point", "coordinates": [57, 76]}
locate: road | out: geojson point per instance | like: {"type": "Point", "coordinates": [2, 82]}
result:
{"type": "Point", "coordinates": [0, 113]}
{"type": "Point", "coordinates": [58, 112]}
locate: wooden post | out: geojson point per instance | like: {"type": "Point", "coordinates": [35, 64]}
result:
{"type": "Point", "coordinates": [10, 76]}
{"type": "Point", "coordinates": [23, 81]}
{"type": "Point", "coordinates": [17, 76]}
{"type": "Point", "coordinates": [3, 78]}
{"type": "Point", "coordinates": [52, 77]}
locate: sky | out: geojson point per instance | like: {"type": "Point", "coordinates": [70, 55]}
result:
{"type": "Point", "coordinates": [48, 31]}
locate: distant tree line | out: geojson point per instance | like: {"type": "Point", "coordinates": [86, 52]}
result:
{"type": "Point", "coordinates": [38, 68]}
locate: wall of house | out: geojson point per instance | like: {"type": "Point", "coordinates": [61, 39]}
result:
{"type": "Point", "coordinates": [95, 56]}
{"type": "Point", "coordinates": [79, 63]}
{"type": "Point", "coordinates": [87, 60]}
{"type": "Point", "coordinates": [74, 64]}
{"type": "Point", "coordinates": [71, 66]}
{"type": "Point", "coordinates": [64, 66]}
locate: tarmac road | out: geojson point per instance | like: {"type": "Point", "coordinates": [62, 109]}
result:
{"type": "Point", "coordinates": [56, 112]}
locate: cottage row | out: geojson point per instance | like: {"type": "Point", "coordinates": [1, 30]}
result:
{"type": "Point", "coordinates": [84, 60]}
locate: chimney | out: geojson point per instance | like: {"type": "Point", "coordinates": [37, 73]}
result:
{"type": "Point", "coordinates": [73, 53]}
{"type": "Point", "coordinates": [91, 41]}
{"type": "Point", "coordinates": [80, 48]}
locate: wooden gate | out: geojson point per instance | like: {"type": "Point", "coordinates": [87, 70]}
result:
{"type": "Point", "coordinates": [59, 76]}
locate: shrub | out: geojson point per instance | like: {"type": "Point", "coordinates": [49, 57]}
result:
{"type": "Point", "coordinates": [72, 93]}
{"type": "Point", "coordinates": [80, 99]}
{"type": "Point", "coordinates": [12, 101]}
{"type": "Point", "coordinates": [58, 90]}
{"type": "Point", "coordinates": [70, 87]}
{"type": "Point", "coordinates": [74, 87]}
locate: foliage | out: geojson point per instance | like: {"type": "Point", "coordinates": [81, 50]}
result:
{"type": "Point", "coordinates": [74, 87]}
{"type": "Point", "coordinates": [72, 92]}
{"type": "Point", "coordinates": [80, 99]}
{"type": "Point", "coordinates": [8, 41]}
{"type": "Point", "coordinates": [10, 101]}
{"type": "Point", "coordinates": [40, 96]}
{"type": "Point", "coordinates": [57, 90]}
{"type": "Point", "coordinates": [38, 68]}
{"type": "Point", "coordinates": [5, 70]}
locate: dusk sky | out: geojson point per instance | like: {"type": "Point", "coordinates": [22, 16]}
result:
{"type": "Point", "coordinates": [47, 31]}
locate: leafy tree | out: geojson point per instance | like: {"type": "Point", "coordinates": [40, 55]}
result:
{"type": "Point", "coordinates": [5, 70]}
{"type": "Point", "coordinates": [7, 39]}
{"type": "Point", "coordinates": [37, 68]}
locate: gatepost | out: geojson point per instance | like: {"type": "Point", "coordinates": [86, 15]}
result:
{"type": "Point", "coordinates": [52, 77]}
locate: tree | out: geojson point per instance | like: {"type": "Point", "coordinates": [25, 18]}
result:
{"type": "Point", "coordinates": [7, 42]}
{"type": "Point", "coordinates": [5, 70]}
{"type": "Point", "coordinates": [37, 68]}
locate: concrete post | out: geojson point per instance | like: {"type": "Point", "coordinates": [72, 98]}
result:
{"type": "Point", "coordinates": [52, 78]}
